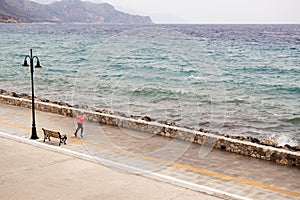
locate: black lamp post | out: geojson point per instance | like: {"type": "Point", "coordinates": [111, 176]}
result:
{"type": "Point", "coordinates": [38, 67]}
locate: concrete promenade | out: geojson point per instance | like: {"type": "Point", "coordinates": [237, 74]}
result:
{"type": "Point", "coordinates": [113, 163]}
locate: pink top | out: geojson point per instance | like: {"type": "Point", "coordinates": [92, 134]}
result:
{"type": "Point", "coordinates": [80, 119]}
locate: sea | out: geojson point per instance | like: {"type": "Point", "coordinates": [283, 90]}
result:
{"type": "Point", "coordinates": [241, 80]}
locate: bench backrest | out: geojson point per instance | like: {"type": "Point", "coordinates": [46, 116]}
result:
{"type": "Point", "coordinates": [51, 133]}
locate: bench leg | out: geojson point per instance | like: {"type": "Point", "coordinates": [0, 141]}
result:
{"type": "Point", "coordinates": [46, 137]}
{"type": "Point", "coordinates": [65, 139]}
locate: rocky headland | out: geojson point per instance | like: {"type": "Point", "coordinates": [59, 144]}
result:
{"type": "Point", "coordinates": [8, 19]}
{"type": "Point", "coordinates": [64, 11]}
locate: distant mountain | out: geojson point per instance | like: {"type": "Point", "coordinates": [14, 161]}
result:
{"type": "Point", "coordinates": [66, 11]}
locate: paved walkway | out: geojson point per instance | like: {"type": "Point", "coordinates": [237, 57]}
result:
{"type": "Point", "coordinates": [30, 172]}
{"type": "Point", "coordinates": [168, 160]}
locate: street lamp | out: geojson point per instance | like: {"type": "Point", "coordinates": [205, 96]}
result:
{"type": "Point", "coordinates": [38, 67]}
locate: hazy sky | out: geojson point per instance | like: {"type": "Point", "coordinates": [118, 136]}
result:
{"type": "Point", "coordinates": [210, 11]}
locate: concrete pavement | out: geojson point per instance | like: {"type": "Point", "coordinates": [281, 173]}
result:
{"type": "Point", "coordinates": [220, 173]}
{"type": "Point", "coordinates": [30, 172]}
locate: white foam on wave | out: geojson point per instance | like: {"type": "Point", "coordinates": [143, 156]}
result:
{"type": "Point", "coordinates": [283, 140]}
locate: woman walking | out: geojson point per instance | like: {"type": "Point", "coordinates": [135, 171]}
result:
{"type": "Point", "coordinates": [80, 119]}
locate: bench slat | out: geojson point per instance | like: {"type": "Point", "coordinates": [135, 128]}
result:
{"type": "Point", "coordinates": [55, 134]}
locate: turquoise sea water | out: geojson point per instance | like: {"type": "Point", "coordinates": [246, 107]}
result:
{"type": "Point", "coordinates": [234, 79]}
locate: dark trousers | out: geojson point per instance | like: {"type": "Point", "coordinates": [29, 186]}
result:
{"type": "Point", "coordinates": [79, 127]}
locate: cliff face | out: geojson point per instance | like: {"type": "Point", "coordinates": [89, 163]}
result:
{"type": "Point", "coordinates": [8, 19]}
{"type": "Point", "coordinates": [67, 11]}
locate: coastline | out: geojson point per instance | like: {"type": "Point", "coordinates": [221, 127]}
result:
{"type": "Point", "coordinates": [265, 149]}
{"type": "Point", "coordinates": [189, 97]}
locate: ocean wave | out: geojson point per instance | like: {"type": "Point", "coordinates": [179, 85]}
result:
{"type": "Point", "coordinates": [197, 78]}
{"type": "Point", "coordinates": [236, 101]}
{"type": "Point", "coordinates": [282, 140]}
{"type": "Point", "coordinates": [291, 89]}
{"type": "Point", "coordinates": [294, 120]}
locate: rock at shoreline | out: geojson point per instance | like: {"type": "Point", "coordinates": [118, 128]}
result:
{"type": "Point", "coordinates": [269, 142]}
{"type": "Point", "coordinates": [15, 95]}
{"type": "Point", "coordinates": [2, 91]}
{"type": "Point", "coordinates": [296, 148]}
{"type": "Point", "coordinates": [170, 123]}
{"type": "Point", "coordinates": [254, 140]}
{"type": "Point", "coordinates": [291, 148]}
{"type": "Point", "coordinates": [146, 118]}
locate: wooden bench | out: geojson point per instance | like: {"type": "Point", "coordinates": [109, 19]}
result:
{"type": "Point", "coordinates": [55, 134]}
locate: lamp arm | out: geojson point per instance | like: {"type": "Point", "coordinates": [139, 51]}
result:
{"type": "Point", "coordinates": [36, 58]}
{"type": "Point", "coordinates": [27, 57]}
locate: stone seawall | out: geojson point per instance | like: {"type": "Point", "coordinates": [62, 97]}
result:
{"type": "Point", "coordinates": [246, 148]}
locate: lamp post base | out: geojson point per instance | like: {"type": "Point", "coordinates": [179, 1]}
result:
{"type": "Point", "coordinates": [34, 134]}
